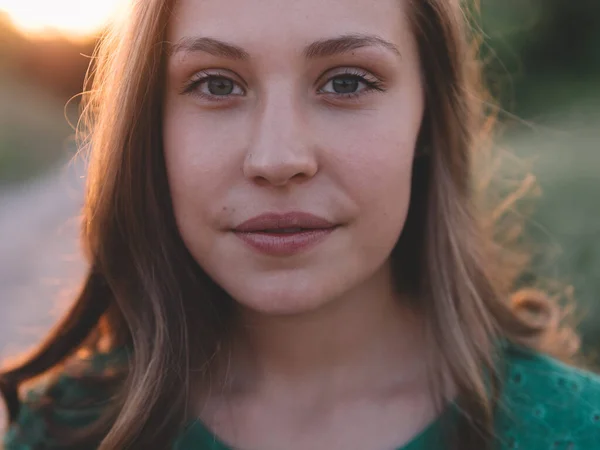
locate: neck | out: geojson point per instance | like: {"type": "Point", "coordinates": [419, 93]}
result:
{"type": "Point", "coordinates": [367, 338]}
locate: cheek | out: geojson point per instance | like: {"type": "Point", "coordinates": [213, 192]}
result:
{"type": "Point", "coordinates": [197, 144]}
{"type": "Point", "coordinates": [381, 168]}
{"type": "Point", "coordinates": [381, 185]}
{"type": "Point", "coordinates": [201, 155]}
{"type": "Point", "coordinates": [373, 162]}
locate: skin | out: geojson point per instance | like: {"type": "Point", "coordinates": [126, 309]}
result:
{"type": "Point", "coordinates": [325, 354]}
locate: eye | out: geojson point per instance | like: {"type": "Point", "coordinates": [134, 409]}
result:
{"type": "Point", "coordinates": [212, 86]}
{"type": "Point", "coordinates": [217, 86]}
{"type": "Point", "coordinates": [351, 83]}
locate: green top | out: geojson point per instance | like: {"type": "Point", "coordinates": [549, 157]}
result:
{"type": "Point", "coordinates": [544, 405]}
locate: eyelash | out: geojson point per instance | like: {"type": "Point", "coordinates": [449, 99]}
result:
{"type": "Point", "coordinates": [371, 84]}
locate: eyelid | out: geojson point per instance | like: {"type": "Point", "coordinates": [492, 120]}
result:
{"type": "Point", "coordinates": [218, 73]}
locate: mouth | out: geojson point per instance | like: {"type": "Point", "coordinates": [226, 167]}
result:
{"type": "Point", "coordinates": [284, 235]}
{"type": "Point", "coordinates": [284, 231]}
{"type": "Point", "coordinates": [289, 223]}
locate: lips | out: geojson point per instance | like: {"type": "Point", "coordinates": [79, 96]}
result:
{"type": "Point", "coordinates": [293, 222]}
{"type": "Point", "coordinates": [284, 235]}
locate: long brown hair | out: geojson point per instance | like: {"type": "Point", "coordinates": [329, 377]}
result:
{"type": "Point", "coordinates": [144, 292]}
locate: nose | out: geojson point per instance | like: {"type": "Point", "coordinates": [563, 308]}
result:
{"type": "Point", "coordinates": [280, 148]}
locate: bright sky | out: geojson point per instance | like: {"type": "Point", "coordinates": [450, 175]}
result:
{"type": "Point", "coordinates": [72, 17]}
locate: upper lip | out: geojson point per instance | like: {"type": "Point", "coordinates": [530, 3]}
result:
{"type": "Point", "coordinates": [274, 221]}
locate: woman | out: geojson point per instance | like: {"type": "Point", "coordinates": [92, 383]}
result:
{"type": "Point", "coordinates": [284, 250]}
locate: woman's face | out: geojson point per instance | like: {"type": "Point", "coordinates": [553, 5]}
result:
{"type": "Point", "coordinates": [278, 107]}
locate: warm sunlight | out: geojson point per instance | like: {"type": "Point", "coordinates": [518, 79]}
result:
{"type": "Point", "coordinates": [72, 17]}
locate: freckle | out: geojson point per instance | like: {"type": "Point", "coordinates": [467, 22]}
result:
{"type": "Point", "coordinates": [224, 208]}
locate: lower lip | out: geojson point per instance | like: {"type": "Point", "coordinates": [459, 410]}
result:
{"type": "Point", "coordinates": [280, 244]}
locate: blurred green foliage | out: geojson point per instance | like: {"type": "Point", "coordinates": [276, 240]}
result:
{"type": "Point", "coordinates": [564, 229]}
{"type": "Point", "coordinates": [542, 61]}
{"type": "Point", "coordinates": [541, 54]}
{"type": "Point", "coordinates": [34, 133]}
{"type": "Point", "coordinates": [37, 79]}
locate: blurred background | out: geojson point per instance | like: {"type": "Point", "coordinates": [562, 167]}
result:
{"type": "Point", "coordinates": [542, 60]}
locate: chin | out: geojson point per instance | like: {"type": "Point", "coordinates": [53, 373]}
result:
{"type": "Point", "coordinates": [280, 298]}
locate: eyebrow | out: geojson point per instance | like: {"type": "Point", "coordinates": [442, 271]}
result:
{"type": "Point", "coordinates": [319, 49]}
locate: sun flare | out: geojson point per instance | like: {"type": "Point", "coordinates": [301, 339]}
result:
{"type": "Point", "coordinates": [71, 17]}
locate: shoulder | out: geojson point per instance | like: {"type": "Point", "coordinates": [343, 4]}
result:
{"type": "Point", "coordinates": [64, 402]}
{"type": "Point", "coordinates": [546, 404]}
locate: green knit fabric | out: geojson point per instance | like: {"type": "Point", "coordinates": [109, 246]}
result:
{"type": "Point", "coordinates": [545, 405]}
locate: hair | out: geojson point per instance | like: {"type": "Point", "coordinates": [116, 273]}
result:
{"type": "Point", "coordinates": [146, 293]}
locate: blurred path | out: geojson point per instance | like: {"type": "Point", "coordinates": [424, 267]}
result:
{"type": "Point", "coordinates": [40, 261]}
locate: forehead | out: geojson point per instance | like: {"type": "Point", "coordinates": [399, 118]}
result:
{"type": "Point", "coordinates": [260, 24]}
